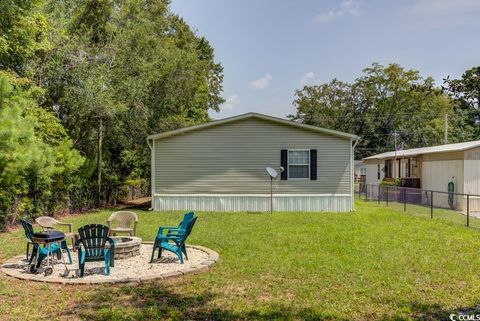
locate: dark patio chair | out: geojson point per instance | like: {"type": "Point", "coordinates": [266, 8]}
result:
{"type": "Point", "coordinates": [179, 238]}
{"type": "Point", "coordinates": [92, 246]}
{"type": "Point", "coordinates": [166, 233]}
{"type": "Point", "coordinates": [44, 251]}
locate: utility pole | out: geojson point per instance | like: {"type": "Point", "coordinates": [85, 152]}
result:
{"type": "Point", "coordinates": [395, 134]}
{"type": "Point", "coordinates": [446, 128]}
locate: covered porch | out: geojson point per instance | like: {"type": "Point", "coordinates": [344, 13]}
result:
{"type": "Point", "coordinates": [407, 169]}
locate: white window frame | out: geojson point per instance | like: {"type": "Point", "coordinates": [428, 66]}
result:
{"type": "Point", "coordinates": [289, 164]}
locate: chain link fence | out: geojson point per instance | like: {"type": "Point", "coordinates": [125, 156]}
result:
{"type": "Point", "coordinates": [62, 200]}
{"type": "Point", "coordinates": [456, 207]}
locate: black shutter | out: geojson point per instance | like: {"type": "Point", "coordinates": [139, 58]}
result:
{"type": "Point", "coordinates": [284, 164]}
{"type": "Point", "coordinates": [313, 164]}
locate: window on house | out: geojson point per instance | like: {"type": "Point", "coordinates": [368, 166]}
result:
{"type": "Point", "coordinates": [414, 166]}
{"type": "Point", "coordinates": [389, 168]}
{"type": "Point", "coordinates": [378, 171]}
{"type": "Point", "coordinates": [405, 172]}
{"type": "Point", "coordinates": [299, 164]}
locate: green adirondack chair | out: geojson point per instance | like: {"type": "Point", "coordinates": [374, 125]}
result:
{"type": "Point", "coordinates": [179, 239]}
{"type": "Point", "coordinates": [92, 246]}
{"type": "Point", "coordinates": [44, 252]}
{"type": "Point", "coordinates": [166, 233]}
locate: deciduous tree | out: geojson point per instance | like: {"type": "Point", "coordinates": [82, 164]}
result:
{"type": "Point", "coordinates": [383, 101]}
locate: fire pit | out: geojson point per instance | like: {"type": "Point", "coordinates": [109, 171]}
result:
{"type": "Point", "coordinates": [126, 246]}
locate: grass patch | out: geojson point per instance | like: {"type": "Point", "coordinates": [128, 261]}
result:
{"type": "Point", "coordinates": [425, 211]}
{"type": "Point", "coordinates": [375, 264]}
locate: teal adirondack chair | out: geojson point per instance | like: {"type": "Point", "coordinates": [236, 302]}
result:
{"type": "Point", "coordinates": [92, 246]}
{"type": "Point", "coordinates": [179, 239]}
{"type": "Point", "coordinates": [44, 251]}
{"type": "Point", "coordinates": [166, 233]}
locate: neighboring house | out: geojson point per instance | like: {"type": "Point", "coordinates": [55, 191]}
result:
{"type": "Point", "coordinates": [220, 166]}
{"type": "Point", "coordinates": [360, 171]}
{"type": "Point", "coordinates": [432, 168]}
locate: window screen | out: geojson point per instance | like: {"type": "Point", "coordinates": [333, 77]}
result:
{"type": "Point", "coordinates": [299, 164]}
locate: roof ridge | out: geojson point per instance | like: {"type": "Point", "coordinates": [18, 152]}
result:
{"type": "Point", "coordinates": [445, 148]}
{"type": "Point", "coordinates": [251, 115]}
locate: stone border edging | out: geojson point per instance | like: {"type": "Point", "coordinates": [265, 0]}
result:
{"type": "Point", "coordinates": [203, 266]}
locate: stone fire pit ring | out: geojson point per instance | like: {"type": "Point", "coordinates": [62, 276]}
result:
{"type": "Point", "coordinates": [129, 269]}
{"type": "Point", "coordinates": [126, 246]}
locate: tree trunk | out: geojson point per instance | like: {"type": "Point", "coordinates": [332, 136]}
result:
{"type": "Point", "coordinates": [99, 162]}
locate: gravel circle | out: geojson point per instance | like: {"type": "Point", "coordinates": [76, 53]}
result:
{"type": "Point", "coordinates": [131, 270]}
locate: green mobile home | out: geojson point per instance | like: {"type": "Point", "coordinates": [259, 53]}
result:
{"type": "Point", "coordinates": [220, 166]}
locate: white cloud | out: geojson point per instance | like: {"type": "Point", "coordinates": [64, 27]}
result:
{"type": "Point", "coordinates": [308, 78]}
{"type": "Point", "coordinates": [231, 102]}
{"type": "Point", "coordinates": [328, 16]}
{"type": "Point", "coordinates": [261, 83]}
{"type": "Point", "coordinates": [352, 7]}
{"type": "Point", "coordinates": [347, 7]}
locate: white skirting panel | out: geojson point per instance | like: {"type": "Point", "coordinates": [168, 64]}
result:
{"type": "Point", "coordinates": [254, 203]}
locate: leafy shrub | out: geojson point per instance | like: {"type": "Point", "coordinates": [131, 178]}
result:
{"type": "Point", "coordinates": [391, 182]}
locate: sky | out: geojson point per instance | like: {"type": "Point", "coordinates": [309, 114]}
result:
{"type": "Point", "coordinates": [271, 48]}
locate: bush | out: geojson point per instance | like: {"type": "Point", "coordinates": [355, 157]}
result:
{"type": "Point", "coordinates": [391, 182]}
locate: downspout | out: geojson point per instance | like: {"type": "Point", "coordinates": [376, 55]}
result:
{"type": "Point", "coordinates": [152, 171]}
{"type": "Point", "coordinates": [352, 171]}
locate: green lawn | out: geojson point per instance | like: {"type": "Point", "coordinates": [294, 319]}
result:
{"type": "Point", "coordinates": [377, 263]}
{"type": "Point", "coordinates": [438, 213]}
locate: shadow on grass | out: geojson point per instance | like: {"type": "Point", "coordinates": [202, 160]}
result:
{"type": "Point", "coordinates": [415, 311]}
{"type": "Point", "coordinates": [158, 301]}
{"type": "Point", "coordinates": [161, 302]}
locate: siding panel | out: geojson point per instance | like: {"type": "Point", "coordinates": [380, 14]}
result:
{"type": "Point", "coordinates": [372, 172]}
{"type": "Point", "coordinates": [231, 159]}
{"type": "Point", "coordinates": [472, 177]}
{"type": "Point", "coordinates": [437, 174]}
{"type": "Point", "coordinates": [254, 203]}
{"type": "Point", "coordinates": [472, 171]}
